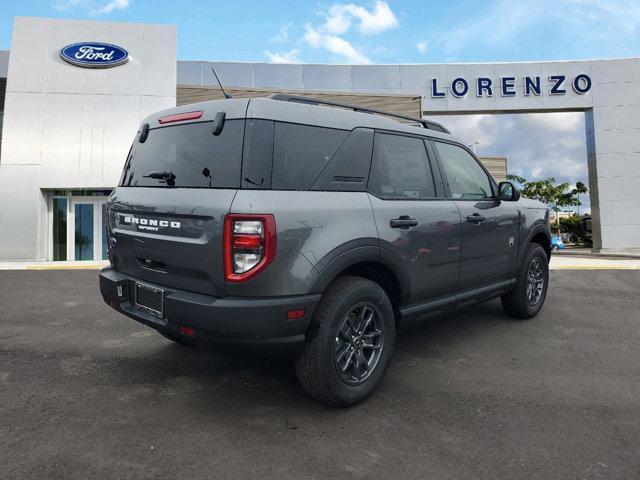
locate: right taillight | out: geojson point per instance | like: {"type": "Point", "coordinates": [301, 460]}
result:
{"type": "Point", "coordinates": [249, 245]}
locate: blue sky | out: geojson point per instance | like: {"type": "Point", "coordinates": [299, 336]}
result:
{"type": "Point", "coordinates": [399, 31]}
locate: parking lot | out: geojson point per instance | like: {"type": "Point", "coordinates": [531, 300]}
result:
{"type": "Point", "coordinates": [87, 393]}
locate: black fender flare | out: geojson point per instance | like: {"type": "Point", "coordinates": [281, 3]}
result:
{"type": "Point", "coordinates": [353, 253]}
{"type": "Point", "coordinates": [538, 227]}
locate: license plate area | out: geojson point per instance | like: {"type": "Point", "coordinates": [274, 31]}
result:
{"type": "Point", "coordinates": [150, 299]}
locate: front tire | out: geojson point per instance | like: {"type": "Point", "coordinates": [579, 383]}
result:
{"type": "Point", "coordinates": [350, 343]}
{"type": "Point", "coordinates": [528, 295]}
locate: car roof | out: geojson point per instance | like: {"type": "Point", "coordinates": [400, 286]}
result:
{"type": "Point", "coordinates": [296, 112]}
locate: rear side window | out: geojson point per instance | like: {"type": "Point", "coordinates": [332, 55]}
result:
{"type": "Point", "coordinates": [300, 153]}
{"type": "Point", "coordinates": [187, 155]}
{"type": "Point", "coordinates": [467, 179]}
{"type": "Point", "coordinates": [258, 154]}
{"type": "Point", "coordinates": [400, 168]}
{"type": "Point", "coordinates": [348, 170]}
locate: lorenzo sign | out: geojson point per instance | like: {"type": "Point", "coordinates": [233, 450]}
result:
{"type": "Point", "coordinates": [506, 86]}
{"type": "Point", "coordinates": [94, 55]}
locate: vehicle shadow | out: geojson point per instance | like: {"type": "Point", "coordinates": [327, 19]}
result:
{"type": "Point", "coordinates": [238, 380]}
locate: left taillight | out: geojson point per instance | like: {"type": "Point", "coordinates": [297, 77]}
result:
{"type": "Point", "coordinates": [249, 245]}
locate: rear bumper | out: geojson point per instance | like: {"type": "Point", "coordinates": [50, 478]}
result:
{"type": "Point", "coordinates": [232, 320]}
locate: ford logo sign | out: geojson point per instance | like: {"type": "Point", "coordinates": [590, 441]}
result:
{"type": "Point", "coordinates": [94, 55]}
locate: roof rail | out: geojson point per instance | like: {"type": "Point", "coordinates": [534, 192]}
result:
{"type": "Point", "coordinates": [428, 124]}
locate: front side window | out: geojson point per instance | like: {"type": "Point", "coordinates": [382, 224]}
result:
{"type": "Point", "coordinates": [467, 179]}
{"type": "Point", "coordinates": [400, 168]}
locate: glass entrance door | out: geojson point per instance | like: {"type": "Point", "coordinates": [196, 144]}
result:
{"type": "Point", "coordinates": [85, 236]}
{"type": "Point", "coordinates": [84, 230]}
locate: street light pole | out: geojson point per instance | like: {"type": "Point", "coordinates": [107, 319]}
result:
{"type": "Point", "coordinates": [473, 146]}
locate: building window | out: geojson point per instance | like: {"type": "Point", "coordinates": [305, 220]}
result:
{"type": "Point", "coordinates": [59, 229]}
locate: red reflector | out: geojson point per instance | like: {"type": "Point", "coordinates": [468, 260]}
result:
{"type": "Point", "coordinates": [188, 331]}
{"type": "Point", "coordinates": [180, 117]}
{"type": "Point", "coordinates": [295, 314]}
{"type": "Point", "coordinates": [247, 241]}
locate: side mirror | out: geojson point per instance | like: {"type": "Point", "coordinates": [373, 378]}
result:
{"type": "Point", "coordinates": [508, 192]}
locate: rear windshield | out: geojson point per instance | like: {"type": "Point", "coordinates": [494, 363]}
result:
{"type": "Point", "coordinates": [187, 155]}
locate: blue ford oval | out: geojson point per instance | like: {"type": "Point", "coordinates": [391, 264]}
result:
{"type": "Point", "coordinates": [94, 54]}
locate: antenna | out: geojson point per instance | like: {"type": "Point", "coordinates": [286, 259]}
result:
{"type": "Point", "coordinates": [226, 95]}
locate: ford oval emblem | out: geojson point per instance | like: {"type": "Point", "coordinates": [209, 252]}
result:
{"type": "Point", "coordinates": [94, 55]}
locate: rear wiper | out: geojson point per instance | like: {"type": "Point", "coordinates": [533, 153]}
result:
{"type": "Point", "coordinates": [168, 177]}
{"type": "Point", "coordinates": [159, 175]}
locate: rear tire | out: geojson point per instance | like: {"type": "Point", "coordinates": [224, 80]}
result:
{"type": "Point", "coordinates": [175, 338]}
{"type": "Point", "coordinates": [350, 343]}
{"type": "Point", "coordinates": [528, 295]}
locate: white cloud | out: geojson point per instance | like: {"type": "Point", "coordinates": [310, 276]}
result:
{"type": "Point", "coordinates": [284, 57]}
{"type": "Point", "coordinates": [340, 16]}
{"type": "Point", "coordinates": [114, 5]}
{"type": "Point", "coordinates": [340, 19]}
{"type": "Point", "coordinates": [91, 7]}
{"type": "Point", "coordinates": [422, 46]}
{"type": "Point", "coordinates": [283, 33]}
{"type": "Point", "coordinates": [334, 44]}
{"type": "Point", "coordinates": [559, 121]}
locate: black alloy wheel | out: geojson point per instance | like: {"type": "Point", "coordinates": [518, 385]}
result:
{"type": "Point", "coordinates": [535, 281]}
{"type": "Point", "coordinates": [359, 343]}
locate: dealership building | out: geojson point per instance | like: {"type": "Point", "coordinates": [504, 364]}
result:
{"type": "Point", "coordinates": [73, 93]}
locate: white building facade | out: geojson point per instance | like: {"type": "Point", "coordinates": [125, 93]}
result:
{"type": "Point", "coordinates": [67, 128]}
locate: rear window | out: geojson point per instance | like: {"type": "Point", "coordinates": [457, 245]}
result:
{"type": "Point", "coordinates": [300, 153]}
{"type": "Point", "coordinates": [187, 155]}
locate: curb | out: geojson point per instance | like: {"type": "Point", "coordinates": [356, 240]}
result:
{"type": "Point", "coordinates": [62, 267]}
{"type": "Point", "coordinates": [603, 256]}
{"type": "Point", "coordinates": [593, 267]}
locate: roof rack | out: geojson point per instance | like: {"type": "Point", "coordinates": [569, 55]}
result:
{"type": "Point", "coordinates": [428, 124]}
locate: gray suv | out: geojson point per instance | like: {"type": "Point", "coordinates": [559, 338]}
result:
{"type": "Point", "coordinates": [295, 222]}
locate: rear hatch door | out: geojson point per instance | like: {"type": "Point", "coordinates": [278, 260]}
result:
{"type": "Point", "coordinates": [166, 217]}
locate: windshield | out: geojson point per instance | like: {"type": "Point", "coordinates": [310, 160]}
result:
{"type": "Point", "coordinates": [187, 155]}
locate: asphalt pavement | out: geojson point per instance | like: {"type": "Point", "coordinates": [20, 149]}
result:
{"type": "Point", "coordinates": [86, 393]}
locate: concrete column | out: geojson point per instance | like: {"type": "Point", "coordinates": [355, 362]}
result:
{"type": "Point", "coordinates": [613, 149]}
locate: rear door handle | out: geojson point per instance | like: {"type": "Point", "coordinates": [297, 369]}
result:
{"type": "Point", "coordinates": [475, 218]}
{"type": "Point", "coordinates": [403, 222]}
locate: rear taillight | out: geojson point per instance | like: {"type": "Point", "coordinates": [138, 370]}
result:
{"type": "Point", "coordinates": [249, 245]}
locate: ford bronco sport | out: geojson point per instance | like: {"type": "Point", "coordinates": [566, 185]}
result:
{"type": "Point", "coordinates": [290, 221]}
